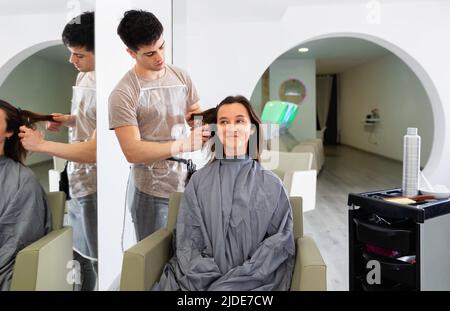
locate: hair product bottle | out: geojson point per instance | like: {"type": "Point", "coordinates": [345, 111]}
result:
{"type": "Point", "coordinates": [411, 162]}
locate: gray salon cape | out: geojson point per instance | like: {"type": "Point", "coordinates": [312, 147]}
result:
{"type": "Point", "coordinates": [234, 231]}
{"type": "Point", "coordinates": [24, 215]}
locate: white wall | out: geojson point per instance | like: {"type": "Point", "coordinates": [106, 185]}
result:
{"type": "Point", "coordinates": [388, 84]}
{"type": "Point", "coordinates": [112, 62]}
{"type": "Point", "coordinates": [304, 124]}
{"type": "Point", "coordinates": [226, 46]}
{"type": "Point", "coordinates": [43, 86]}
{"type": "Point", "coordinates": [25, 35]}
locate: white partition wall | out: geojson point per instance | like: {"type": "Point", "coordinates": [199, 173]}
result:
{"type": "Point", "coordinates": [304, 125]}
{"type": "Point", "coordinates": [112, 62]}
{"type": "Point", "coordinates": [227, 45]}
{"type": "Point", "coordinates": [30, 26]}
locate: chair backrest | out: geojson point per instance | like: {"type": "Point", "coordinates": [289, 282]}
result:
{"type": "Point", "coordinates": [297, 216]}
{"type": "Point", "coordinates": [296, 204]}
{"type": "Point", "coordinates": [174, 206]}
{"type": "Point", "coordinates": [287, 161]}
{"type": "Point", "coordinates": [56, 202]}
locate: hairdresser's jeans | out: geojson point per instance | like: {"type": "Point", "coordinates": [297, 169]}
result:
{"type": "Point", "coordinates": [88, 273]}
{"type": "Point", "coordinates": [149, 213]}
{"type": "Point", "coordinates": [83, 219]}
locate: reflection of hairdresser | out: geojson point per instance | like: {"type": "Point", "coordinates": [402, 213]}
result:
{"type": "Point", "coordinates": [148, 108]}
{"type": "Point", "coordinates": [234, 228]}
{"type": "Point", "coordinates": [78, 36]}
{"type": "Point", "coordinates": [24, 215]}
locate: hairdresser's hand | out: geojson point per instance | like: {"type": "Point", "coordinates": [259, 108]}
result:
{"type": "Point", "coordinates": [198, 137]}
{"type": "Point", "coordinates": [192, 109]}
{"type": "Point", "coordinates": [32, 140]}
{"type": "Point", "coordinates": [60, 119]}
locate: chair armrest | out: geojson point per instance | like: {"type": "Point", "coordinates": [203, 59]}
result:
{"type": "Point", "coordinates": [144, 262]}
{"type": "Point", "coordinates": [302, 184]}
{"type": "Point", "coordinates": [310, 271]}
{"type": "Point", "coordinates": [45, 264]}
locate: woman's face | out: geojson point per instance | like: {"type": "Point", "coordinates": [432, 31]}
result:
{"type": "Point", "coordinates": [234, 128]}
{"type": "Point", "coordinates": [3, 125]}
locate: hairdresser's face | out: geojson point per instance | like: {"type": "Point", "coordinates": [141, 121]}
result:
{"type": "Point", "coordinates": [151, 57]}
{"type": "Point", "coordinates": [3, 125]}
{"type": "Point", "coordinates": [84, 61]}
{"type": "Point", "coordinates": [234, 128]}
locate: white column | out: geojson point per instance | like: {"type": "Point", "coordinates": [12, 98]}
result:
{"type": "Point", "coordinates": [112, 62]}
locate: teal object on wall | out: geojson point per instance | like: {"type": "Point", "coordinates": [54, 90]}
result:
{"type": "Point", "coordinates": [290, 114]}
{"type": "Point", "coordinates": [279, 112]}
{"type": "Point", "coordinates": [274, 111]}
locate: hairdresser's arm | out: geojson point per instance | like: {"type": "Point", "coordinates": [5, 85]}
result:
{"type": "Point", "coordinates": [138, 151]}
{"type": "Point", "coordinates": [83, 152]}
{"type": "Point", "coordinates": [61, 119]}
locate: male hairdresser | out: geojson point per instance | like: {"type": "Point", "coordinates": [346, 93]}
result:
{"type": "Point", "coordinates": [148, 110]}
{"type": "Point", "coordinates": [78, 37]}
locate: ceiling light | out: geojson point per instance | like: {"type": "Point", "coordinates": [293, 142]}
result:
{"type": "Point", "coordinates": [303, 50]}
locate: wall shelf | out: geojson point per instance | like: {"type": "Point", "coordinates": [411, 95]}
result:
{"type": "Point", "coordinates": [370, 122]}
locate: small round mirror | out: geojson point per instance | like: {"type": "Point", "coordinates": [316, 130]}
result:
{"type": "Point", "coordinates": [293, 91]}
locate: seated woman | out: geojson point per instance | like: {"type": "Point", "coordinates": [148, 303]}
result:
{"type": "Point", "coordinates": [24, 215]}
{"type": "Point", "coordinates": [234, 228]}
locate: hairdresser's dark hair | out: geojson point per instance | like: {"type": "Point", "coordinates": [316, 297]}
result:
{"type": "Point", "coordinates": [15, 118]}
{"type": "Point", "coordinates": [138, 28]}
{"type": "Point", "coordinates": [79, 32]}
{"type": "Point", "coordinates": [210, 117]}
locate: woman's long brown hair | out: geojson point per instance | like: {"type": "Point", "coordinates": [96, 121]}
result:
{"type": "Point", "coordinates": [210, 117]}
{"type": "Point", "coordinates": [15, 118]}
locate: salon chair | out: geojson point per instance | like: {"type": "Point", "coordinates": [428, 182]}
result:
{"type": "Point", "coordinates": [143, 263]}
{"type": "Point", "coordinates": [317, 145]}
{"type": "Point", "coordinates": [295, 170]}
{"type": "Point", "coordinates": [312, 145]}
{"type": "Point", "coordinates": [43, 265]}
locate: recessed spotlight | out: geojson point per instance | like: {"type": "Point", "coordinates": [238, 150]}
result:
{"type": "Point", "coordinates": [303, 50]}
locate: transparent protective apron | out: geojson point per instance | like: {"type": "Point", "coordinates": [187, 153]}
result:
{"type": "Point", "coordinates": [161, 118]}
{"type": "Point", "coordinates": [83, 176]}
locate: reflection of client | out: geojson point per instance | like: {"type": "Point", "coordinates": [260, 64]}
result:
{"type": "Point", "coordinates": [234, 228]}
{"type": "Point", "coordinates": [24, 215]}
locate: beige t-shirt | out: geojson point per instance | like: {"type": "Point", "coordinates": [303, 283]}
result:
{"type": "Point", "coordinates": [83, 176]}
{"type": "Point", "coordinates": [158, 109]}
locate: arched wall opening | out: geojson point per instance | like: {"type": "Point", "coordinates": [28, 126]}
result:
{"type": "Point", "coordinates": [40, 79]}
{"type": "Point", "coordinates": [438, 131]}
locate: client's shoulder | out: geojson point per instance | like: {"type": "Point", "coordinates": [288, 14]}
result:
{"type": "Point", "coordinates": [21, 174]}
{"type": "Point", "coordinates": [27, 176]}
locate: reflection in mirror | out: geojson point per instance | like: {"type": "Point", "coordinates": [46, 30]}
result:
{"type": "Point", "coordinates": [293, 91]}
